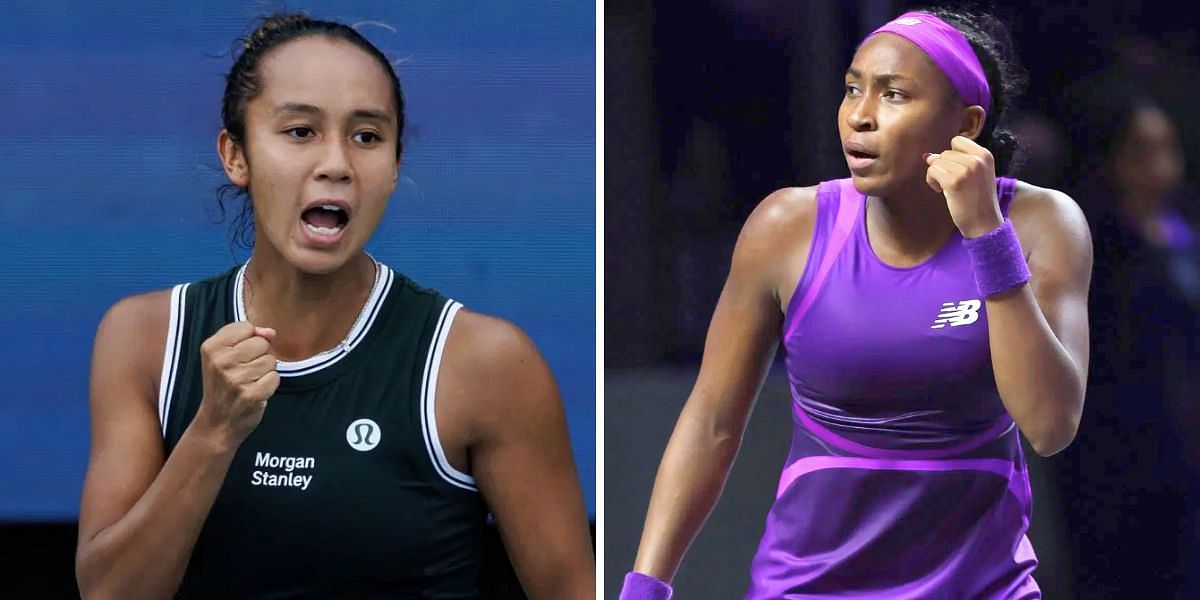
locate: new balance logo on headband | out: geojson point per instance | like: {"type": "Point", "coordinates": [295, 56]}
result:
{"type": "Point", "coordinates": [962, 313]}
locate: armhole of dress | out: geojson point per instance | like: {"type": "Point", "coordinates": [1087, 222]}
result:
{"type": "Point", "coordinates": [166, 382]}
{"type": "Point", "coordinates": [433, 361]}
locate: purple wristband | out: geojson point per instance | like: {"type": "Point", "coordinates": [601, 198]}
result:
{"type": "Point", "coordinates": [639, 586]}
{"type": "Point", "coordinates": [997, 260]}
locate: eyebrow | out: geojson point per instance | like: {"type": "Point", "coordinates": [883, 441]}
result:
{"type": "Point", "coordinates": [308, 109]}
{"type": "Point", "coordinates": [883, 78]}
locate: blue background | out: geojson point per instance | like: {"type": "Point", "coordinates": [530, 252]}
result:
{"type": "Point", "coordinates": [108, 172]}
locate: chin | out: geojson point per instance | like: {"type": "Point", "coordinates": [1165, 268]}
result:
{"type": "Point", "coordinates": [319, 262]}
{"type": "Point", "coordinates": [885, 185]}
{"type": "Point", "coordinates": [870, 185]}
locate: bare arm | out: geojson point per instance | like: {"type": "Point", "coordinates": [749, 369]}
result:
{"type": "Point", "coordinates": [520, 453]}
{"type": "Point", "coordinates": [741, 342]}
{"type": "Point", "coordinates": [140, 517]}
{"type": "Point", "coordinates": [1039, 331]}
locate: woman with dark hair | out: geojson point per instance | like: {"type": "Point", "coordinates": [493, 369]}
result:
{"type": "Point", "coordinates": [312, 424]}
{"type": "Point", "coordinates": [929, 309]}
{"type": "Point", "coordinates": [1132, 473]}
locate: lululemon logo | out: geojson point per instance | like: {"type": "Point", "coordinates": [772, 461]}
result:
{"type": "Point", "coordinates": [363, 435]}
{"type": "Point", "coordinates": [908, 21]}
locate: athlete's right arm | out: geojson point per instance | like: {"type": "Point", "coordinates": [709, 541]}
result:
{"type": "Point", "coordinates": [140, 515]}
{"type": "Point", "coordinates": [741, 342]}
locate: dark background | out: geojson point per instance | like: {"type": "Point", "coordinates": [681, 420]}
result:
{"type": "Point", "coordinates": [711, 106]}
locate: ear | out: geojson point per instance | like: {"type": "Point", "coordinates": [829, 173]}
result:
{"type": "Point", "coordinates": [233, 159]}
{"type": "Point", "coordinates": [396, 172]}
{"type": "Point", "coordinates": [972, 122]}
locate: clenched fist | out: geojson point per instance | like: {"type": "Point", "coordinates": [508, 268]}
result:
{"type": "Point", "coordinates": [238, 371]}
{"type": "Point", "coordinates": [966, 175]}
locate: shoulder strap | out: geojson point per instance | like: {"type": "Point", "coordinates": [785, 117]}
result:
{"type": "Point", "coordinates": [429, 380]}
{"type": "Point", "coordinates": [171, 354]}
{"type": "Point", "coordinates": [1006, 189]}
{"type": "Point", "coordinates": [844, 200]}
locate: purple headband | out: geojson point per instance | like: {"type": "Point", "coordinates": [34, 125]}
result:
{"type": "Point", "coordinates": [949, 49]}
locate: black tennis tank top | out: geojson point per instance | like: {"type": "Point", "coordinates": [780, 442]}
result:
{"type": "Point", "coordinates": [343, 490]}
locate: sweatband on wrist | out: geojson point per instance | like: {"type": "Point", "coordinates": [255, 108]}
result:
{"type": "Point", "coordinates": [997, 260]}
{"type": "Point", "coordinates": [639, 586]}
{"type": "Point", "coordinates": [949, 50]}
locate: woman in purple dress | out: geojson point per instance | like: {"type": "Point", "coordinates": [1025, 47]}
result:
{"type": "Point", "coordinates": [929, 309]}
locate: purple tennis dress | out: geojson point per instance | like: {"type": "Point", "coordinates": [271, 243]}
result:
{"type": "Point", "coordinates": [905, 477]}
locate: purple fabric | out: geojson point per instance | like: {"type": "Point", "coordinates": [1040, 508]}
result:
{"type": "Point", "coordinates": [639, 586]}
{"type": "Point", "coordinates": [961, 446]}
{"type": "Point", "coordinates": [842, 227]}
{"type": "Point", "coordinates": [950, 51]}
{"type": "Point", "coordinates": [1178, 234]}
{"type": "Point", "coordinates": [905, 477]}
{"type": "Point", "coordinates": [996, 466]}
{"type": "Point", "coordinates": [997, 260]}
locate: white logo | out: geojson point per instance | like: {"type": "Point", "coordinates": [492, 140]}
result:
{"type": "Point", "coordinates": [363, 435]}
{"type": "Point", "coordinates": [293, 468]}
{"type": "Point", "coordinates": [908, 21]}
{"type": "Point", "coordinates": [963, 313]}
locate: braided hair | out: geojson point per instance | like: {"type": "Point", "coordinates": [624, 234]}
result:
{"type": "Point", "coordinates": [992, 43]}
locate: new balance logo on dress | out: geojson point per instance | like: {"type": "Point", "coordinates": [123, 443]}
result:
{"type": "Point", "coordinates": [962, 313]}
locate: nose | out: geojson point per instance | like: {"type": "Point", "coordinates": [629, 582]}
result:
{"type": "Point", "coordinates": [862, 115]}
{"type": "Point", "coordinates": [335, 164]}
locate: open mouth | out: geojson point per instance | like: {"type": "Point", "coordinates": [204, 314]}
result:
{"type": "Point", "coordinates": [861, 155]}
{"type": "Point", "coordinates": [325, 219]}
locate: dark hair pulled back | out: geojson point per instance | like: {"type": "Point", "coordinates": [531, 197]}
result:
{"type": "Point", "coordinates": [243, 83]}
{"type": "Point", "coordinates": [992, 43]}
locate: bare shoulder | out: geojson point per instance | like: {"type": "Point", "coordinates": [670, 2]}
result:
{"type": "Point", "coordinates": [148, 308]}
{"type": "Point", "coordinates": [1037, 212]}
{"type": "Point", "coordinates": [492, 369]}
{"type": "Point", "coordinates": [489, 344]}
{"type": "Point", "coordinates": [773, 245]}
{"type": "Point", "coordinates": [1053, 231]}
{"type": "Point", "coordinates": [782, 213]}
{"type": "Point", "coordinates": [132, 335]}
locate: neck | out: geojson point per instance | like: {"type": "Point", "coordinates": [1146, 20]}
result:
{"type": "Point", "coordinates": [310, 313]}
{"type": "Point", "coordinates": [909, 225]}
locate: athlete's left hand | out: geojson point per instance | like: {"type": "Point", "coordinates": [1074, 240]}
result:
{"type": "Point", "coordinates": [966, 175]}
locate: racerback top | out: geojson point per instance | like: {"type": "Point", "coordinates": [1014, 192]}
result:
{"type": "Point", "coordinates": [343, 490]}
{"type": "Point", "coordinates": [905, 478]}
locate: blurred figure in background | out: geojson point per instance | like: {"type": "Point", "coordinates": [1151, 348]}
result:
{"type": "Point", "coordinates": [1042, 156]}
{"type": "Point", "coordinates": [1128, 472]}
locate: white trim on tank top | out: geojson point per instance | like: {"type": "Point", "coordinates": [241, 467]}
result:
{"type": "Point", "coordinates": [429, 429]}
{"type": "Point", "coordinates": [166, 381]}
{"type": "Point", "coordinates": [362, 324]}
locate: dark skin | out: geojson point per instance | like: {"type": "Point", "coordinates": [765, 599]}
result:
{"type": "Point", "coordinates": [1146, 169]}
{"type": "Point", "coordinates": [314, 132]}
{"type": "Point", "coordinates": [927, 179]}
